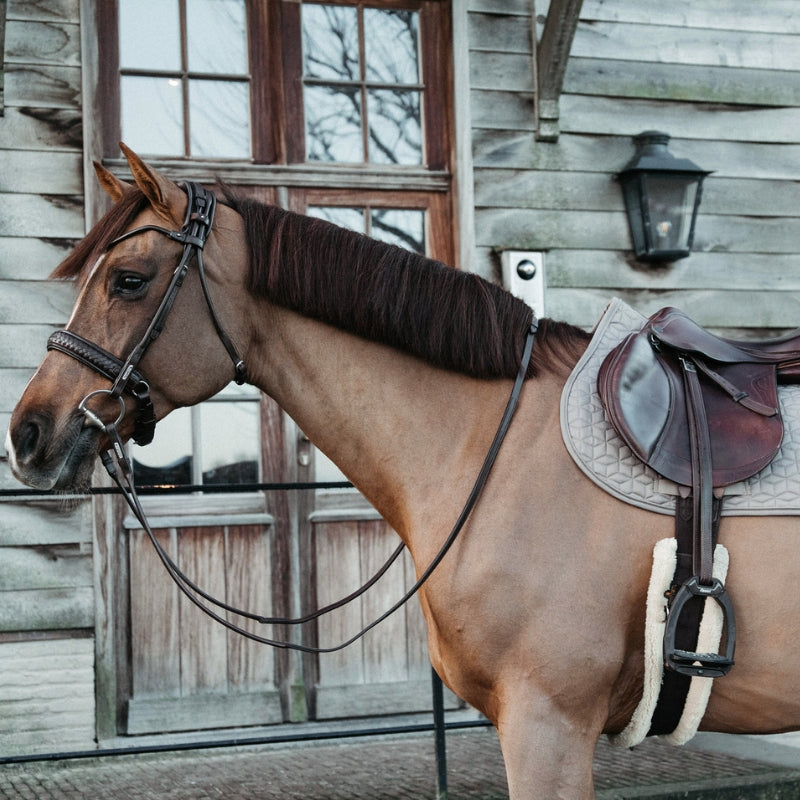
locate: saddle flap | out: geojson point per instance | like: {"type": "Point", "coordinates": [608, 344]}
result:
{"type": "Point", "coordinates": [641, 386]}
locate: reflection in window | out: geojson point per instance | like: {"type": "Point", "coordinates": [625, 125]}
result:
{"type": "Point", "coordinates": [404, 227]}
{"type": "Point", "coordinates": [184, 83]}
{"type": "Point", "coordinates": [362, 90]}
{"type": "Point", "coordinates": [216, 442]}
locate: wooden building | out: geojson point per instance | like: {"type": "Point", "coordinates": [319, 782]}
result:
{"type": "Point", "coordinates": [500, 127]}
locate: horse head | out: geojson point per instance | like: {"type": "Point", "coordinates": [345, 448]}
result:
{"type": "Point", "coordinates": [126, 271]}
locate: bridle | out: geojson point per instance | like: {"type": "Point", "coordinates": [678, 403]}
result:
{"type": "Point", "coordinates": [127, 379]}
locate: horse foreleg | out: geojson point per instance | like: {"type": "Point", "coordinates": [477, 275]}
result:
{"type": "Point", "coordinates": [547, 754]}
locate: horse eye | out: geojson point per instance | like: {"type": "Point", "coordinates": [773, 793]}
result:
{"type": "Point", "coordinates": [129, 283]}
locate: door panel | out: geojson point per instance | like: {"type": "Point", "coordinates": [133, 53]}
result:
{"type": "Point", "coordinates": [188, 671]}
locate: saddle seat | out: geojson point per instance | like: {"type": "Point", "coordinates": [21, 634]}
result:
{"type": "Point", "coordinates": [642, 386]}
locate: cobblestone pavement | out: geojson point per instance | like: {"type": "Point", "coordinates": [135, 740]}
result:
{"type": "Point", "coordinates": [398, 767]}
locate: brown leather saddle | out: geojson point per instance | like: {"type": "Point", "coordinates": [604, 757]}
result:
{"type": "Point", "coordinates": [701, 411]}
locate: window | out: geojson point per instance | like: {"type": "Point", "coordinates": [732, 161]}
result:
{"type": "Point", "coordinates": [184, 77]}
{"type": "Point", "coordinates": [216, 442]}
{"type": "Point", "coordinates": [278, 81]}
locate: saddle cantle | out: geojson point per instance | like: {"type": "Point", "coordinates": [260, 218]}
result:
{"type": "Point", "coordinates": [702, 411]}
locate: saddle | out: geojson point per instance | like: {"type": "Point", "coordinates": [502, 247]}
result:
{"type": "Point", "coordinates": [703, 412]}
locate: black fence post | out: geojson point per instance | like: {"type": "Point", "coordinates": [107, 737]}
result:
{"type": "Point", "coordinates": [439, 736]}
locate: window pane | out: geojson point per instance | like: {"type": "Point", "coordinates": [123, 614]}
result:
{"type": "Point", "coordinates": [219, 118]}
{"type": "Point", "coordinates": [217, 40]}
{"type": "Point", "coordinates": [230, 434]}
{"type": "Point", "coordinates": [149, 34]}
{"type": "Point", "coordinates": [333, 124]}
{"type": "Point", "coordinates": [168, 459]}
{"type": "Point", "coordinates": [330, 42]}
{"type": "Point", "coordinates": [400, 226]}
{"type": "Point", "coordinates": [352, 218]}
{"type": "Point", "coordinates": [152, 115]}
{"type": "Point", "coordinates": [394, 127]}
{"type": "Point", "coordinates": [391, 43]}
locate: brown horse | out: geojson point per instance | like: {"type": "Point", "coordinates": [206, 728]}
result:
{"type": "Point", "coordinates": [399, 368]}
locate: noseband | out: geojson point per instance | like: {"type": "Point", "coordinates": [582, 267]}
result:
{"type": "Point", "coordinates": [124, 375]}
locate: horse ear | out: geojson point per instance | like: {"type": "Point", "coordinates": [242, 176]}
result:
{"type": "Point", "coordinates": [110, 182]}
{"type": "Point", "coordinates": [165, 197]}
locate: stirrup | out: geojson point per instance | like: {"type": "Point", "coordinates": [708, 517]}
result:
{"type": "Point", "coordinates": [701, 665]}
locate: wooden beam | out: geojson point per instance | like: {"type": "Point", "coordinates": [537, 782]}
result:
{"type": "Point", "coordinates": [552, 55]}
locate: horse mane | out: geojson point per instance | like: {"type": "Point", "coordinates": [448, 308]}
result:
{"type": "Point", "coordinates": [453, 319]}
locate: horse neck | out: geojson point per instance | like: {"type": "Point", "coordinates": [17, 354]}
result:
{"type": "Point", "coordinates": [392, 423]}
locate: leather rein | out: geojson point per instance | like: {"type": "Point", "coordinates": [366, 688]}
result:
{"type": "Point", "coordinates": [127, 379]}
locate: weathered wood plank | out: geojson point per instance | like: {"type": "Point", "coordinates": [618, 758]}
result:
{"type": "Point", "coordinates": [696, 83]}
{"type": "Point", "coordinates": [154, 619]}
{"type": "Point", "coordinates": [53, 216]}
{"type": "Point", "coordinates": [36, 302]}
{"type": "Point", "coordinates": [502, 110]}
{"type": "Point", "coordinates": [377, 698]}
{"type": "Point", "coordinates": [714, 308]}
{"type": "Point", "coordinates": [518, 7]}
{"type": "Point", "coordinates": [47, 609]}
{"type": "Point", "coordinates": [337, 574]}
{"type": "Point", "coordinates": [23, 346]}
{"type": "Point", "coordinates": [622, 116]}
{"type": "Point", "coordinates": [613, 270]}
{"type": "Point", "coordinates": [37, 128]}
{"type": "Point", "coordinates": [42, 86]}
{"type": "Point", "coordinates": [41, 172]}
{"type": "Point", "coordinates": [248, 566]}
{"type": "Point", "coordinates": [778, 16]}
{"type": "Point", "coordinates": [44, 522]}
{"type": "Point", "coordinates": [544, 229]}
{"type": "Point", "coordinates": [203, 642]}
{"type": "Point", "coordinates": [160, 715]}
{"type": "Point", "coordinates": [504, 33]}
{"type": "Point", "coordinates": [515, 149]}
{"type": "Point", "coordinates": [45, 567]}
{"type": "Point", "coordinates": [600, 192]}
{"type": "Point", "coordinates": [44, 10]}
{"type": "Point", "coordinates": [29, 42]}
{"type": "Point", "coordinates": [29, 258]}
{"type": "Point", "coordinates": [681, 45]}
{"type": "Point", "coordinates": [512, 71]}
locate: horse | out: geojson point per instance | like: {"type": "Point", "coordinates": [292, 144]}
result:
{"type": "Point", "coordinates": [398, 368]}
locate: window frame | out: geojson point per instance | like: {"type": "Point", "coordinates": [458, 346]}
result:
{"type": "Point", "coordinates": [276, 102]}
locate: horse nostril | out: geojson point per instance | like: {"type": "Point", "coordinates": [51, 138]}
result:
{"type": "Point", "coordinates": [28, 439]}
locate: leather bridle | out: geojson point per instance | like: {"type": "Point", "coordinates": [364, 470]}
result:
{"type": "Point", "coordinates": [126, 379]}
{"type": "Point", "coordinates": [124, 376]}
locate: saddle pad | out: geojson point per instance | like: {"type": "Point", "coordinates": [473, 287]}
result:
{"type": "Point", "coordinates": [609, 462]}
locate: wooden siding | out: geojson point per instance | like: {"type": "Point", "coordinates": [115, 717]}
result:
{"type": "Point", "coordinates": [46, 695]}
{"type": "Point", "coordinates": [722, 79]}
{"type": "Point", "coordinates": [46, 573]}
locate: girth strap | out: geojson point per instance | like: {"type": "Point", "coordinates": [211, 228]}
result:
{"type": "Point", "coordinates": [110, 367]}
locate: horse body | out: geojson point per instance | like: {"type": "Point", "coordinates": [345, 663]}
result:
{"type": "Point", "coordinates": [536, 615]}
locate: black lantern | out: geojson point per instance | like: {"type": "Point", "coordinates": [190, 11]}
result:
{"type": "Point", "coordinates": [662, 195]}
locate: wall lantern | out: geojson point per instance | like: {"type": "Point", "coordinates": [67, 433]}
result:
{"type": "Point", "coordinates": [662, 195]}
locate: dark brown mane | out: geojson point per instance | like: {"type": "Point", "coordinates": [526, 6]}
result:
{"type": "Point", "coordinates": [453, 319]}
{"type": "Point", "coordinates": [96, 242]}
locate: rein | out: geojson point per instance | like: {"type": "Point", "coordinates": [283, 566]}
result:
{"type": "Point", "coordinates": [125, 378]}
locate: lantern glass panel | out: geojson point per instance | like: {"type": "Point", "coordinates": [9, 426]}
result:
{"type": "Point", "coordinates": [670, 200]}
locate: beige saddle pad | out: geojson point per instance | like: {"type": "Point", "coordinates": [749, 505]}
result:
{"type": "Point", "coordinates": [607, 460]}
